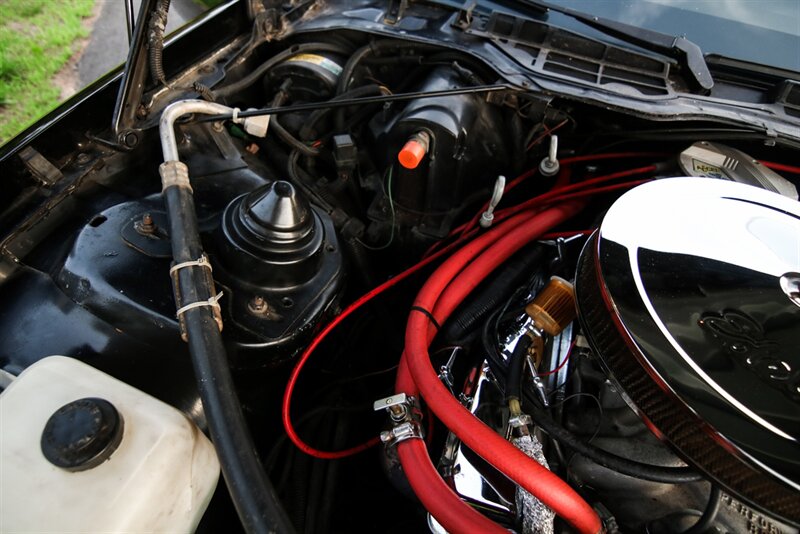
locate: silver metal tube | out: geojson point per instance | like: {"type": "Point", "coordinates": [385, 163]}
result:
{"type": "Point", "coordinates": [552, 154]}
{"type": "Point", "coordinates": [176, 110]}
{"type": "Point", "coordinates": [129, 19]}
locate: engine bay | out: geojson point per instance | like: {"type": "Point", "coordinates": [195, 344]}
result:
{"type": "Point", "coordinates": [447, 303]}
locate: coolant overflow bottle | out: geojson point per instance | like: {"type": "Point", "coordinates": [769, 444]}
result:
{"type": "Point", "coordinates": [83, 452]}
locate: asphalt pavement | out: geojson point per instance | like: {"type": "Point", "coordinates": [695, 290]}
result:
{"type": "Point", "coordinates": [108, 42]}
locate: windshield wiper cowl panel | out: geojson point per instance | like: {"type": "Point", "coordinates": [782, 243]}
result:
{"type": "Point", "coordinates": [678, 47]}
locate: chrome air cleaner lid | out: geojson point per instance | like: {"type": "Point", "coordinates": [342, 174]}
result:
{"type": "Point", "coordinates": [690, 292]}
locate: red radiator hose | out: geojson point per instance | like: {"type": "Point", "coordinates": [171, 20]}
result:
{"type": "Point", "coordinates": [437, 497]}
{"type": "Point", "coordinates": [523, 470]}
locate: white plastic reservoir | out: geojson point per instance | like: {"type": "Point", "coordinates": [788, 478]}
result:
{"type": "Point", "coordinates": [156, 472]}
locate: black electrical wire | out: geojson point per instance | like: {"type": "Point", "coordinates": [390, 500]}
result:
{"type": "Point", "coordinates": [308, 131]}
{"type": "Point", "coordinates": [254, 497]}
{"type": "Point", "coordinates": [262, 69]}
{"type": "Point", "coordinates": [516, 366]}
{"type": "Point", "coordinates": [373, 48]}
{"type": "Point", "coordinates": [706, 520]}
{"type": "Point", "coordinates": [155, 41]}
{"type": "Point", "coordinates": [276, 127]}
{"type": "Point", "coordinates": [632, 468]}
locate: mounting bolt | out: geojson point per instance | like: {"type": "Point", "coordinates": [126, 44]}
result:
{"type": "Point", "coordinates": [217, 126]}
{"type": "Point", "coordinates": [257, 304]}
{"type": "Point", "coordinates": [146, 226]}
{"type": "Point", "coordinates": [130, 139]}
{"type": "Point", "coordinates": [83, 158]}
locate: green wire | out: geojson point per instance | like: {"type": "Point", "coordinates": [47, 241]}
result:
{"type": "Point", "coordinates": [388, 192]}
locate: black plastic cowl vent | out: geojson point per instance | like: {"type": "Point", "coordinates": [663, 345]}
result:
{"type": "Point", "coordinates": [559, 53]}
{"type": "Point", "coordinates": [788, 94]}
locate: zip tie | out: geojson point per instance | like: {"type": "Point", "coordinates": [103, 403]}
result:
{"type": "Point", "coordinates": [202, 261]}
{"type": "Point", "coordinates": [213, 302]}
{"type": "Point", "coordinates": [235, 115]}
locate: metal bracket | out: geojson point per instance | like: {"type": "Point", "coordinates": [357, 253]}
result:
{"type": "Point", "coordinates": [519, 425]}
{"type": "Point", "coordinates": [125, 131]}
{"type": "Point", "coordinates": [538, 385]}
{"type": "Point", "coordinates": [405, 414]}
{"type": "Point", "coordinates": [397, 9]}
{"type": "Point", "coordinates": [399, 406]}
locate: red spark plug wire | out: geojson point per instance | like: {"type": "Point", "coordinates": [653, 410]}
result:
{"type": "Point", "coordinates": [356, 305]}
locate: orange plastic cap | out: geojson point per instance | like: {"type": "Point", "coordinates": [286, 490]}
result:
{"type": "Point", "coordinates": [412, 153]}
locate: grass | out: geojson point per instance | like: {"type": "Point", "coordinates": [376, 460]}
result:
{"type": "Point", "coordinates": [37, 38]}
{"type": "Point", "coordinates": [208, 4]}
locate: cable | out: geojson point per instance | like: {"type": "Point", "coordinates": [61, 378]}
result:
{"type": "Point", "coordinates": [388, 191]}
{"type": "Point", "coordinates": [558, 193]}
{"type": "Point", "coordinates": [781, 167]}
{"type": "Point", "coordinates": [318, 339]}
{"type": "Point", "coordinates": [564, 163]}
{"type": "Point", "coordinates": [375, 47]}
{"type": "Point", "coordinates": [155, 41]}
{"type": "Point", "coordinates": [706, 520]}
{"type": "Point", "coordinates": [516, 365]}
{"type": "Point", "coordinates": [570, 233]}
{"type": "Point", "coordinates": [632, 468]}
{"type": "Point", "coordinates": [262, 69]}
{"type": "Point", "coordinates": [276, 127]}
{"type": "Point", "coordinates": [547, 131]}
{"type": "Point", "coordinates": [308, 131]}
{"type": "Point", "coordinates": [562, 364]}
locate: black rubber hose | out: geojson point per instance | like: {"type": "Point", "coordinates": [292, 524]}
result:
{"type": "Point", "coordinates": [262, 69]}
{"type": "Point", "coordinates": [359, 256]}
{"type": "Point", "coordinates": [516, 366]}
{"type": "Point", "coordinates": [276, 127]}
{"type": "Point", "coordinates": [632, 468]}
{"type": "Point", "coordinates": [308, 131]}
{"type": "Point", "coordinates": [291, 140]}
{"type": "Point", "coordinates": [478, 67]}
{"type": "Point", "coordinates": [255, 499]}
{"type": "Point", "coordinates": [706, 520]}
{"type": "Point", "coordinates": [496, 362]}
{"type": "Point", "coordinates": [513, 274]}
{"type": "Point", "coordinates": [376, 48]}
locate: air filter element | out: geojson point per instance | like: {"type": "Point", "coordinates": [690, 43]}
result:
{"type": "Point", "coordinates": [690, 292]}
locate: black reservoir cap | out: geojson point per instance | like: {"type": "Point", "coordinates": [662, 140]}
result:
{"type": "Point", "coordinates": [82, 434]}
